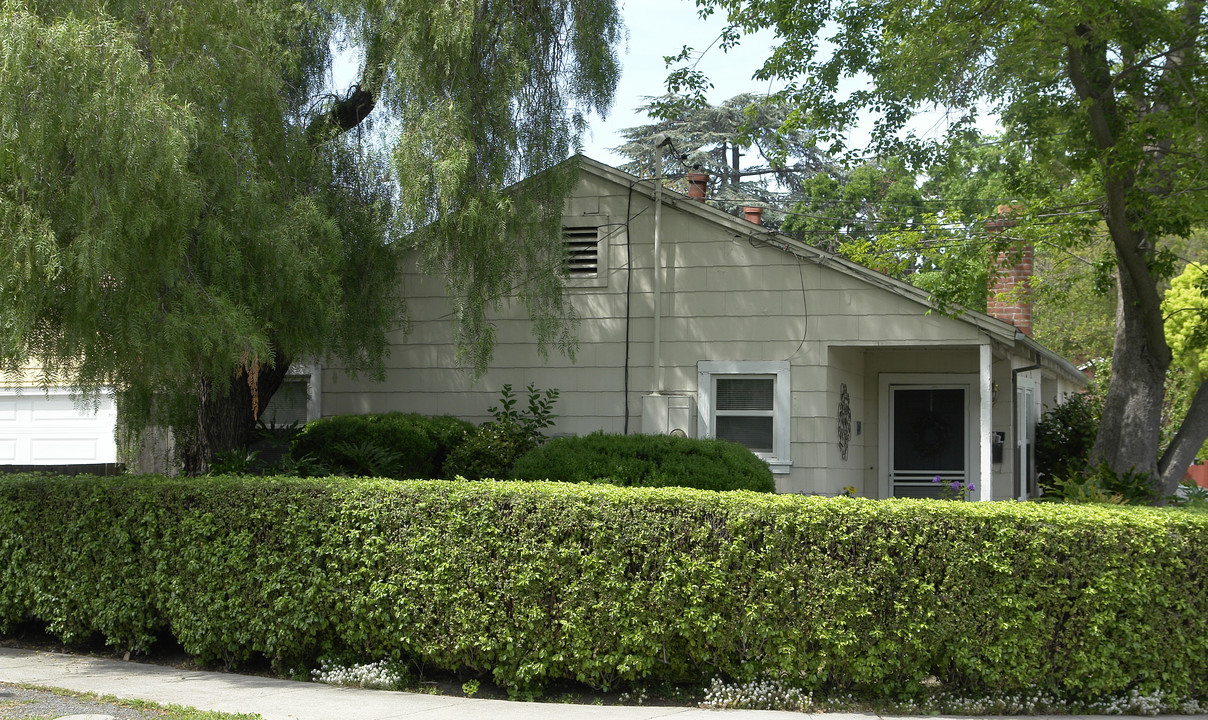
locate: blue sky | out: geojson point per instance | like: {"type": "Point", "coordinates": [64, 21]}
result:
{"type": "Point", "coordinates": [658, 28]}
{"type": "Point", "coordinates": [662, 27]}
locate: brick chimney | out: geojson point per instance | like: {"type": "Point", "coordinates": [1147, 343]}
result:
{"type": "Point", "coordinates": [698, 185]}
{"type": "Point", "coordinates": [753, 214]}
{"type": "Point", "coordinates": [1010, 293]}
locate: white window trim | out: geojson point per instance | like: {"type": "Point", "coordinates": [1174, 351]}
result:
{"type": "Point", "coordinates": [779, 459]}
{"type": "Point", "coordinates": [601, 224]}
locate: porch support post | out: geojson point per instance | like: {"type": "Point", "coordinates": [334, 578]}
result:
{"type": "Point", "coordinates": [985, 474]}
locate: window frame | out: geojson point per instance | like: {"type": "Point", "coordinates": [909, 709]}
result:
{"type": "Point", "coordinates": [779, 460]}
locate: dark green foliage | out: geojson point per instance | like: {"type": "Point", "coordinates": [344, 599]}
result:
{"type": "Point", "coordinates": [530, 423]}
{"type": "Point", "coordinates": [1064, 437]}
{"type": "Point", "coordinates": [536, 583]}
{"type": "Point", "coordinates": [1101, 485]}
{"type": "Point", "coordinates": [397, 445]}
{"type": "Point", "coordinates": [486, 453]}
{"type": "Point", "coordinates": [492, 449]}
{"type": "Point", "coordinates": [446, 432]}
{"type": "Point", "coordinates": [647, 461]}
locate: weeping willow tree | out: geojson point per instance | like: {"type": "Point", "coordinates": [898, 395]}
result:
{"type": "Point", "coordinates": [187, 205]}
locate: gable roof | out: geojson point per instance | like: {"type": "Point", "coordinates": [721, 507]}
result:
{"type": "Point", "coordinates": [1004, 332]}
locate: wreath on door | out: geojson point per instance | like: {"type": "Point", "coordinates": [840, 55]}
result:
{"type": "Point", "coordinates": [931, 433]}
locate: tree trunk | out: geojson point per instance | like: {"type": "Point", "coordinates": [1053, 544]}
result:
{"type": "Point", "coordinates": [1129, 430]}
{"type": "Point", "coordinates": [1187, 442]}
{"type": "Point", "coordinates": [737, 176]}
{"type": "Point", "coordinates": [226, 416]}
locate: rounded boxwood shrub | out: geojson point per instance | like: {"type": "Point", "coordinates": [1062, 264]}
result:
{"type": "Point", "coordinates": [398, 445]}
{"type": "Point", "coordinates": [647, 461]}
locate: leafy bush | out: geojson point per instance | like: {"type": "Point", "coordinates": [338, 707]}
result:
{"type": "Point", "coordinates": [1064, 438]}
{"type": "Point", "coordinates": [393, 445]}
{"type": "Point", "coordinates": [1191, 497]}
{"type": "Point", "coordinates": [1102, 485]}
{"type": "Point", "coordinates": [492, 449]}
{"type": "Point", "coordinates": [647, 461]}
{"type": "Point", "coordinates": [533, 583]}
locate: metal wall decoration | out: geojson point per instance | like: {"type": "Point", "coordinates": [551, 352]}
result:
{"type": "Point", "coordinates": [844, 420]}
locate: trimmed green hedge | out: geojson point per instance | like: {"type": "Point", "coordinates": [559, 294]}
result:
{"type": "Point", "coordinates": [646, 461]}
{"type": "Point", "coordinates": [540, 582]}
{"type": "Point", "coordinates": [398, 445]}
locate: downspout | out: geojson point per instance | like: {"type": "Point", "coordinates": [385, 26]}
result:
{"type": "Point", "coordinates": [1018, 473]}
{"type": "Point", "coordinates": [659, 141]}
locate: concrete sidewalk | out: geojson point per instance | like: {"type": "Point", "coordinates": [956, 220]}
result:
{"type": "Point", "coordinates": [289, 700]}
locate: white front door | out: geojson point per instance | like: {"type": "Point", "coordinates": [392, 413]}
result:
{"type": "Point", "coordinates": [928, 437]}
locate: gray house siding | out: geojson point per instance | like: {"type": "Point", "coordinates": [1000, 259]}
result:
{"type": "Point", "coordinates": [733, 296]}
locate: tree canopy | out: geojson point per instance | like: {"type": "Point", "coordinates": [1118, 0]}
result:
{"type": "Point", "coordinates": [187, 206]}
{"type": "Point", "coordinates": [1186, 306]}
{"type": "Point", "coordinates": [1108, 95]}
{"type": "Point", "coordinates": [715, 139]}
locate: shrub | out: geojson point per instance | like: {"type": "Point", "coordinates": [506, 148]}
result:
{"type": "Point", "coordinates": [1064, 437]}
{"type": "Point", "coordinates": [487, 452]}
{"type": "Point", "coordinates": [647, 461]}
{"type": "Point", "coordinates": [448, 433]}
{"type": "Point", "coordinates": [533, 583]}
{"type": "Point", "coordinates": [393, 445]}
{"type": "Point", "coordinates": [1101, 484]}
{"type": "Point", "coordinates": [492, 449]}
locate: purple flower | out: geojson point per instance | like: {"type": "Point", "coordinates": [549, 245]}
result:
{"type": "Point", "coordinates": [935, 479]}
{"type": "Point", "coordinates": [956, 485]}
{"type": "Point", "coordinates": [971, 488]}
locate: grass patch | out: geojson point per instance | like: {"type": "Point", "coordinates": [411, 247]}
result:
{"type": "Point", "coordinates": [146, 707]}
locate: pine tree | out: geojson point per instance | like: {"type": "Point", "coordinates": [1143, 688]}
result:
{"type": "Point", "coordinates": [745, 145]}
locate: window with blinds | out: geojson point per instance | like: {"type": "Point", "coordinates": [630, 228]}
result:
{"type": "Point", "coordinates": [747, 402]}
{"type": "Point", "coordinates": [745, 409]}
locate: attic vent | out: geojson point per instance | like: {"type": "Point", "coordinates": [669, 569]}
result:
{"type": "Point", "coordinates": [582, 251]}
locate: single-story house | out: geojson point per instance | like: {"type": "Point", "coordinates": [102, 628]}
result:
{"type": "Point", "coordinates": [836, 375]}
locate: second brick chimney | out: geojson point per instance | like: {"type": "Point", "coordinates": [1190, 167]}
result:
{"type": "Point", "coordinates": [1010, 292]}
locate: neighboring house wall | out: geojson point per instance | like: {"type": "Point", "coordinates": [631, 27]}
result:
{"type": "Point", "coordinates": [51, 426]}
{"type": "Point", "coordinates": [738, 304]}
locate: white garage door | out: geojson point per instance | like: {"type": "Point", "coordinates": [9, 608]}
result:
{"type": "Point", "coordinates": [37, 428]}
